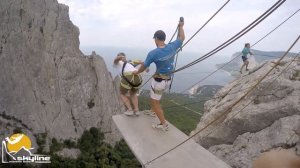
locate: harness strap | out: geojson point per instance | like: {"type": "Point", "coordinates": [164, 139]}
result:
{"type": "Point", "coordinates": [127, 80]}
{"type": "Point", "coordinates": [159, 92]}
{"type": "Point", "coordinates": [162, 76]}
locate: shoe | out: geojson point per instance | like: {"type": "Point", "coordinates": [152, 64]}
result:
{"type": "Point", "coordinates": [149, 112]}
{"type": "Point", "coordinates": [152, 114]}
{"type": "Point", "coordinates": [137, 113]}
{"type": "Point", "coordinates": [128, 113]}
{"type": "Point", "coordinates": [161, 126]}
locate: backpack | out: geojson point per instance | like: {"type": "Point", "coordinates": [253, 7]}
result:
{"type": "Point", "coordinates": [126, 79]}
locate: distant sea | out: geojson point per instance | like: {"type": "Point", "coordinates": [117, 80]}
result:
{"type": "Point", "coordinates": [183, 79]}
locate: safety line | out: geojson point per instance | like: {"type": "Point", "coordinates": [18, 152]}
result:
{"type": "Point", "coordinates": [230, 108]}
{"type": "Point", "coordinates": [235, 37]}
{"type": "Point", "coordinates": [297, 56]}
{"type": "Point", "coordinates": [196, 102]}
{"type": "Point", "coordinates": [189, 38]}
{"type": "Point", "coordinates": [176, 57]}
{"type": "Point", "coordinates": [204, 24]}
{"type": "Point", "coordinates": [247, 87]}
{"type": "Point", "coordinates": [186, 107]}
{"type": "Point", "coordinates": [241, 54]}
{"type": "Point", "coordinates": [174, 34]}
{"type": "Point", "coordinates": [172, 77]}
{"type": "Point", "coordinates": [238, 56]}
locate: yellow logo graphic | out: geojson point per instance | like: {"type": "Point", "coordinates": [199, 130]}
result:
{"type": "Point", "coordinates": [16, 149]}
{"type": "Point", "coordinates": [18, 141]}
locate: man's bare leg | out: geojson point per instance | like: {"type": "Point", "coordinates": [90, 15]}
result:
{"type": "Point", "coordinates": [155, 106]}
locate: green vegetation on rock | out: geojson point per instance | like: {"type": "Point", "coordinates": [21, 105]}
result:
{"type": "Point", "coordinates": [95, 153]}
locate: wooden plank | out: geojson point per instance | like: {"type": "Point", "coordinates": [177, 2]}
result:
{"type": "Point", "coordinates": [147, 143]}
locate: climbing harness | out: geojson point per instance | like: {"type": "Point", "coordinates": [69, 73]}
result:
{"type": "Point", "coordinates": [160, 77]}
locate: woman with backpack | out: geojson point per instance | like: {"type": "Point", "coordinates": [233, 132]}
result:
{"type": "Point", "coordinates": [129, 84]}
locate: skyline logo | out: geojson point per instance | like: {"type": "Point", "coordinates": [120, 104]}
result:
{"type": "Point", "coordinates": [16, 149]}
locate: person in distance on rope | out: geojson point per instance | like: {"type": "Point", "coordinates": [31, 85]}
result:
{"type": "Point", "coordinates": [245, 53]}
{"type": "Point", "coordinates": [163, 57]}
{"type": "Point", "coordinates": [129, 83]}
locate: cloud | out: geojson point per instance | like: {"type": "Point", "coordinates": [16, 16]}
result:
{"type": "Point", "coordinates": [131, 23]}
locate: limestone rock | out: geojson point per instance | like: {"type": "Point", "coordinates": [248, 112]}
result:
{"type": "Point", "coordinates": [273, 106]}
{"type": "Point", "coordinates": [47, 85]}
{"type": "Point", "coordinates": [247, 147]}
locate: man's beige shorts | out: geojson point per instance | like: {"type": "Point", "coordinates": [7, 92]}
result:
{"type": "Point", "coordinates": [157, 88]}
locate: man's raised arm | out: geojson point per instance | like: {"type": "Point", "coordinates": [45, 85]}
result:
{"type": "Point", "coordinates": [181, 35]}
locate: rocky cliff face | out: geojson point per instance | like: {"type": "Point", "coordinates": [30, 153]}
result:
{"type": "Point", "coordinates": [270, 121]}
{"type": "Point", "coordinates": [46, 84]}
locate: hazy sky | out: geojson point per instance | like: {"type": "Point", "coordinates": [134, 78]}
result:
{"type": "Point", "coordinates": [132, 23]}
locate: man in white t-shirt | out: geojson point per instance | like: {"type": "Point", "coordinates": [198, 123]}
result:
{"type": "Point", "coordinates": [129, 83]}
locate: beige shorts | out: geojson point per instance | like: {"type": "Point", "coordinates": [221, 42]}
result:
{"type": "Point", "coordinates": [157, 88]}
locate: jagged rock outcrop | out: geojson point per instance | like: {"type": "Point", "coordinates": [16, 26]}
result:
{"type": "Point", "coordinates": [46, 84]}
{"type": "Point", "coordinates": [271, 120]}
{"type": "Point", "coordinates": [284, 133]}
